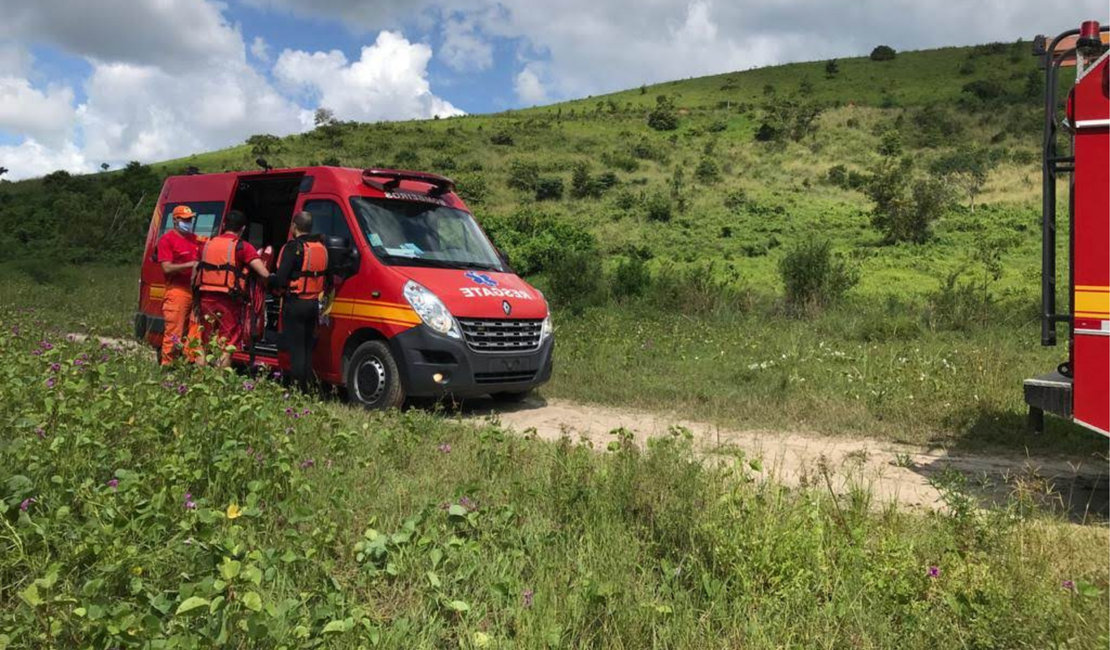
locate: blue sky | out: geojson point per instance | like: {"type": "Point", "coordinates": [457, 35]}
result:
{"type": "Point", "coordinates": [90, 81]}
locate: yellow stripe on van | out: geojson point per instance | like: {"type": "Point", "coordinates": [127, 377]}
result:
{"type": "Point", "coordinates": [1092, 302]}
{"type": "Point", "coordinates": [388, 312]}
{"type": "Point", "coordinates": [157, 291]}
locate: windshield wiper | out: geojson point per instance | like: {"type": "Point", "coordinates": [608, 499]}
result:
{"type": "Point", "coordinates": [402, 260]}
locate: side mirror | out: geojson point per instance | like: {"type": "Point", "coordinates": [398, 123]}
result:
{"type": "Point", "coordinates": [342, 256]}
{"type": "Point", "coordinates": [504, 259]}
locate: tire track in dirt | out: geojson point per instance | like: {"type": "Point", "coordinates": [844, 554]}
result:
{"type": "Point", "coordinates": [894, 472]}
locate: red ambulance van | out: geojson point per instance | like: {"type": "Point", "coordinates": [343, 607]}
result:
{"type": "Point", "coordinates": [424, 304]}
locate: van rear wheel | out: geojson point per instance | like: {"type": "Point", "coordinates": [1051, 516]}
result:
{"type": "Point", "coordinates": [373, 381]}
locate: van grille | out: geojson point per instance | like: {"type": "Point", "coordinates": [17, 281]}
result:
{"type": "Point", "coordinates": [496, 335]}
{"type": "Point", "coordinates": [503, 377]}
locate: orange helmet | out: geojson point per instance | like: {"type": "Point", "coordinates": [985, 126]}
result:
{"type": "Point", "coordinates": [183, 212]}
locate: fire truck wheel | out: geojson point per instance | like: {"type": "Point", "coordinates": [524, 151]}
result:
{"type": "Point", "coordinates": [372, 377]}
{"type": "Point", "coordinates": [515, 397]}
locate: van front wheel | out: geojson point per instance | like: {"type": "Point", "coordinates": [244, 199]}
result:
{"type": "Point", "coordinates": [373, 381]}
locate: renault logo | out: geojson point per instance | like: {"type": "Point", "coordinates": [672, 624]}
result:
{"type": "Point", "coordinates": [506, 307]}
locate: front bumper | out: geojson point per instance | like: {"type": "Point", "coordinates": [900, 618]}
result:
{"type": "Point", "coordinates": [421, 354]}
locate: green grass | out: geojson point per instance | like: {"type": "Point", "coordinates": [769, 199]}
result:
{"type": "Point", "coordinates": [198, 509]}
{"type": "Point", "coordinates": [863, 368]}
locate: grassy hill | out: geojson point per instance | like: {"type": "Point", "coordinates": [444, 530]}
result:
{"type": "Point", "coordinates": [662, 248]}
{"type": "Point", "coordinates": [753, 197]}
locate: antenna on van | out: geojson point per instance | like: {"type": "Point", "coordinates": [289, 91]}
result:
{"type": "Point", "coordinates": [263, 164]}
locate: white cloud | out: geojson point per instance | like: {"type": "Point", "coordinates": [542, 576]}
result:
{"type": "Point", "coordinates": [145, 113]}
{"type": "Point", "coordinates": [388, 81]}
{"type": "Point", "coordinates": [172, 34]}
{"type": "Point", "coordinates": [46, 115]}
{"type": "Point", "coordinates": [30, 159]}
{"type": "Point", "coordinates": [15, 61]}
{"type": "Point", "coordinates": [592, 47]}
{"type": "Point", "coordinates": [529, 89]}
{"type": "Point", "coordinates": [260, 49]}
{"type": "Point", "coordinates": [464, 50]}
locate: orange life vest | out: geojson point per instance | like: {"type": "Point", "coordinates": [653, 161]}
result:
{"type": "Point", "coordinates": [218, 270]}
{"type": "Point", "coordinates": [308, 282]}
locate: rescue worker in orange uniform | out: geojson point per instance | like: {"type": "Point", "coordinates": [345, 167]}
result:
{"type": "Point", "coordinates": [302, 273]}
{"type": "Point", "coordinates": [178, 252]}
{"type": "Point", "coordinates": [221, 276]}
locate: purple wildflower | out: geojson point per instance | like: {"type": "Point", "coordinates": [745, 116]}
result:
{"type": "Point", "coordinates": [1068, 584]}
{"type": "Point", "coordinates": [78, 362]}
{"type": "Point", "coordinates": [55, 367]}
{"type": "Point", "coordinates": [27, 503]}
{"type": "Point", "coordinates": [468, 504]}
{"type": "Point", "coordinates": [289, 411]}
{"type": "Point", "coordinates": [113, 483]}
{"type": "Point", "coordinates": [189, 503]}
{"type": "Point", "coordinates": [182, 389]}
{"type": "Point", "coordinates": [934, 571]}
{"type": "Point", "coordinates": [40, 433]}
{"type": "Point", "coordinates": [526, 597]}
{"type": "Point", "coordinates": [37, 353]}
{"type": "Point", "coordinates": [276, 376]}
{"type": "Point", "coordinates": [444, 448]}
{"type": "Point", "coordinates": [15, 330]}
{"type": "Point", "coordinates": [307, 411]}
{"type": "Point", "coordinates": [71, 338]}
{"type": "Point", "coordinates": [46, 346]}
{"type": "Point", "coordinates": [307, 463]}
{"type": "Point", "coordinates": [50, 382]}
{"type": "Point", "coordinates": [248, 385]}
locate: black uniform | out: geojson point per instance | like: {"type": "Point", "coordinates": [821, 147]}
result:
{"type": "Point", "coordinates": [298, 315]}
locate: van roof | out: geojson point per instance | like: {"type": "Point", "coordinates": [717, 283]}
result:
{"type": "Point", "coordinates": [401, 184]}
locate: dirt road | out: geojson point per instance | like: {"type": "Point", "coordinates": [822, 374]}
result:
{"type": "Point", "coordinates": [894, 472]}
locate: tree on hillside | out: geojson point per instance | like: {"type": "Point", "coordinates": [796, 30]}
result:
{"type": "Point", "coordinates": [104, 167]}
{"type": "Point", "coordinates": [324, 117]}
{"type": "Point", "coordinates": [883, 53]}
{"type": "Point", "coordinates": [264, 144]}
{"type": "Point", "coordinates": [663, 117]}
{"type": "Point", "coordinates": [832, 68]}
{"type": "Point", "coordinates": [905, 207]}
{"type": "Point", "coordinates": [788, 118]}
{"type": "Point", "coordinates": [966, 168]}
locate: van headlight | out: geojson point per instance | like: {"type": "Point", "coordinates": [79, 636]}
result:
{"type": "Point", "coordinates": [547, 329]}
{"type": "Point", "coordinates": [431, 310]}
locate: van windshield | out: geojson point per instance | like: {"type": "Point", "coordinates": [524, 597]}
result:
{"type": "Point", "coordinates": [411, 233]}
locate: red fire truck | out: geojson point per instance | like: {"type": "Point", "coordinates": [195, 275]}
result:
{"type": "Point", "coordinates": [1079, 389]}
{"type": "Point", "coordinates": [424, 304]}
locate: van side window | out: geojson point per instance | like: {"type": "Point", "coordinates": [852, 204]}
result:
{"type": "Point", "coordinates": [209, 216]}
{"type": "Point", "coordinates": [328, 219]}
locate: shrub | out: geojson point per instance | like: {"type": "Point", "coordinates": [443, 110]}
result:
{"type": "Point", "coordinates": [935, 126]}
{"type": "Point", "coordinates": [663, 117]}
{"type": "Point", "coordinates": [631, 276]}
{"type": "Point", "coordinates": [905, 209]}
{"type": "Point", "coordinates": [736, 200]}
{"type": "Point", "coordinates": [503, 138]}
{"type": "Point", "coordinates": [472, 187]}
{"type": "Point", "coordinates": [582, 184]}
{"type": "Point", "coordinates": [890, 144]}
{"type": "Point", "coordinates": [813, 276]}
{"type": "Point", "coordinates": [625, 199]}
{"type": "Point", "coordinates": [985, 90]}
{"type": "Point", "coordinates": [883, 53]}
{"type": "Point", "coordinates": [832, 68]}
{"type": "Point", "coordinates": [523, 175]}
{"type": "Point", "coordinates": [574, 278]}
{"type": "Point", "coordinates": [837, 176]}
{"type": "Point", "coordinates": [718, 126]}
{"type": "Point", "coordinates": [264, 144]}
{"type": "Point", "coordinates": [549, 188]}
{"type": "Point", "coordinates": [625, 162]}
{"type": "Point", "coordinates": [533, 240]}
{"type": "Point", "coordinates": [960, 304]}
{"type": "Point", "coordinates": [697, 289]}
{"type": "Point", "coordinates": [657, 207]}
{"type": "Point", "coordinates": [707, 171]}
{"type": "Point", "coordinates": [788, 117]}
